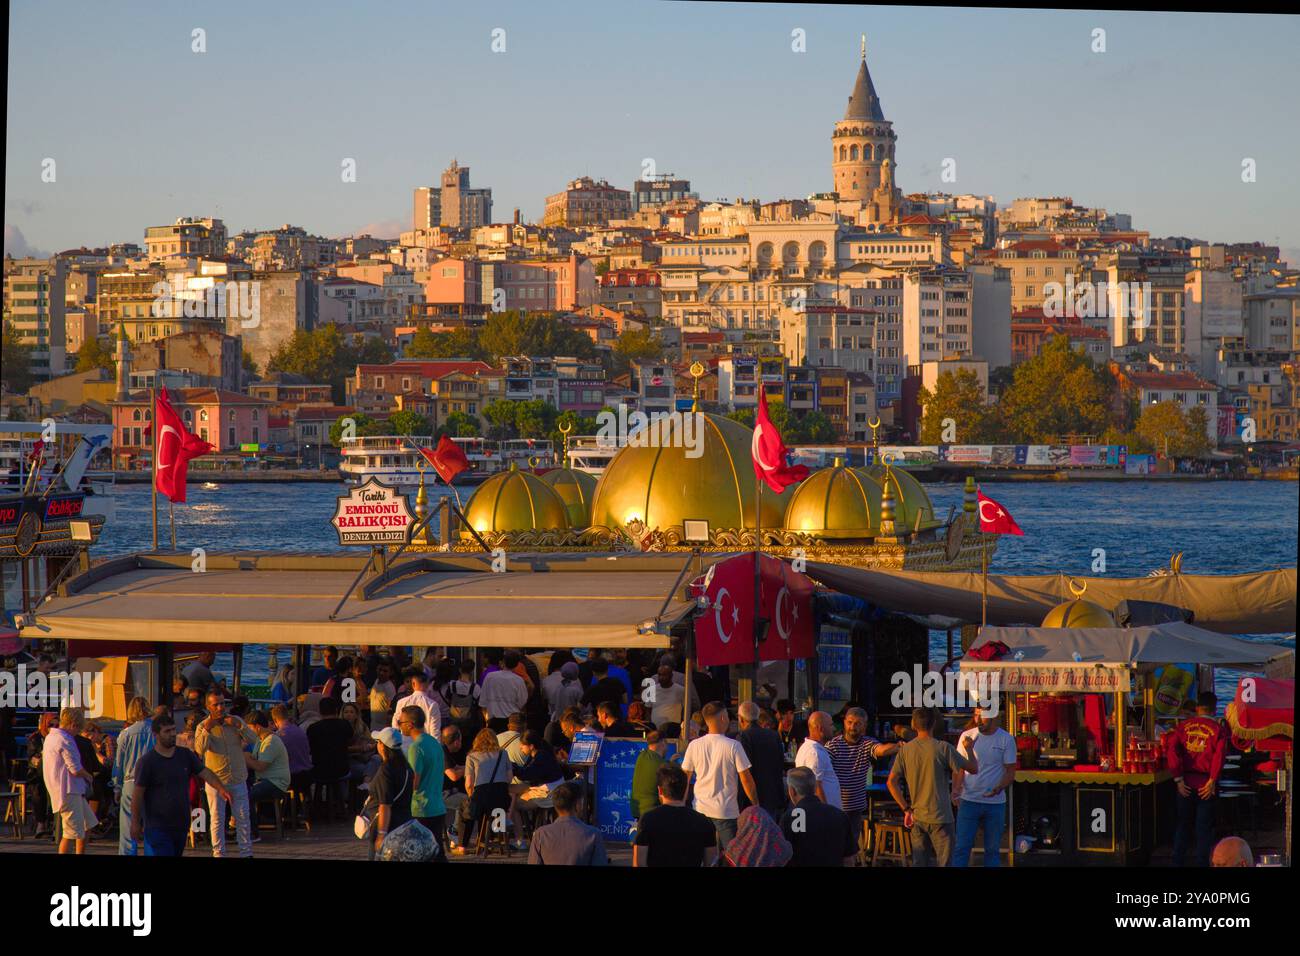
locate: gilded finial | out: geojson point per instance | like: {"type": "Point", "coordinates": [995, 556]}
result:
{"type": "Point", "coordinates": [565, 429]}
{"type": "Point", "coordinates": [1077, 588]}
{"type": "Point", "coordinates": [874, 424]}
{"type": "Point", "coordinates": [697, 372]}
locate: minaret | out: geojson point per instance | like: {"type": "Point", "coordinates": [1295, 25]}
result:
{"type": "Point", "coordinates": [862, 144]}
{"type": "Point", "coordinates": [123, 358]}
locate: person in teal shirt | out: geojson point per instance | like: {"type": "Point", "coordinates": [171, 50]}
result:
{"type": "Point", "coordinates": [424, 754]}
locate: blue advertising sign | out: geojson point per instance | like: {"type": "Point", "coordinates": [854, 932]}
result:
{"type": "Point", "coordinates": [614, 786]}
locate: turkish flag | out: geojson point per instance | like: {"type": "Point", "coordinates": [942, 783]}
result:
{"type": "Point", "coordinates": [787, 602]}
{"type": "Point", "coordinates": [724, 631]}
{"type": "Point", "coordinates": [174, 449]}
{"type": "Point", "coordinates": [994, 519]}
{"type": "Point", "coordinates": [770, 455]}
{"type": "Point", "coordinates": [447, 459]}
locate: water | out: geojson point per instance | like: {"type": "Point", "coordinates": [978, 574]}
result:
{"type": "Point", "coordinates": [1221, 527]}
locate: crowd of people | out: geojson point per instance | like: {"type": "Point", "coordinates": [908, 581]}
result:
{"type": "Point", "coordinates": [479, 749]}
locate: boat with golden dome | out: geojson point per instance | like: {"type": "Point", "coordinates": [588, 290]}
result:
{"type": "Point", "coordinates": [871, 517]}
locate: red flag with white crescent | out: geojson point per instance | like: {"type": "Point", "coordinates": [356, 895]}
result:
{"type": "Point", "coordinates": [771, 458]}
{"type": "Point", "coordinates": [176, 445]}
{"type": "Point", "coordinates": [994, 519]}
{"type": "Point", "coordinates": [787, 601]}
{"type": "Point", "coordinates": [448, 459]}
{"type": "Point", "coordinates": [724, 630]}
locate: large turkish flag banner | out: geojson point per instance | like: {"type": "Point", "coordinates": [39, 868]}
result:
{"type": "Point", "coordinates": [787, 601]}
{"type": "Point", "coordinates": [724, 630]}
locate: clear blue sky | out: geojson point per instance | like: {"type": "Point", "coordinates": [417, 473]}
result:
{"type": "Point", "coordinates": [254, 131]}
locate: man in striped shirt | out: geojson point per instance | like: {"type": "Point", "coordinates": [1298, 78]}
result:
{"type": "Point", "coordinates": [852, 755]}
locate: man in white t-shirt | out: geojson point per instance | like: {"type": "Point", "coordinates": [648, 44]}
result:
{"type": "Point", "coordinates": [813, 755]}
{"type": "Point", "coordinates": [718, 768]}
{"type": "Point", "coordinates": [419, 697]}
{"type": "Point", "coordinates": [981, 797]}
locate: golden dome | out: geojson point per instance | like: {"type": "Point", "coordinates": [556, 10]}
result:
{"type": "Point", "coordinates": [516, 501]}
{"type": "Point", "coordinates": [1078, 613]}
{"type": "Point", "coordinates": [576, 489]}
{"type": "Point", "coordinates": [836, 502]}
{"type": "Point", "coordinates": [910, 498]}
{"type": "Point", "coordinates": [662, 486]}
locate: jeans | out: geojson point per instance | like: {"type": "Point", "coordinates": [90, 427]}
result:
{"type": "Point", "coordinates": [931, 844]}
{"type": "Point", "coordinates": [1195, 815]}
{"type": "Point", "coordinates": [125, 845]}
{"type": "Point", "coordinates": [262, 790]}
{"type": "Point", "coordinates": [217, 819]}
{"type": "Point", "coordinates": [971, 815]}
{"type": "Point", "coordinates": [726, 830]}
{"type": "Point", "coordinates": [159, 841]}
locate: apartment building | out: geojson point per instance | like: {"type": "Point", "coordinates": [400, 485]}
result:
{"type": "Point", "coordinates": [35, 305]}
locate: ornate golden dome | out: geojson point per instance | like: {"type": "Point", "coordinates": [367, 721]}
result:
{"type": "Point", "coordinates": [1078, 613]}
{"type": "Point", "coordinates": [576, 489]}
{"type": "Point", "coordinates": [662, 486]}
{"type": "Point", "coordinates": [836, 502]}
{"type": "Point", "coordinates": [516, 501]}
{"type": "Point", "coordinates": [910, 498]}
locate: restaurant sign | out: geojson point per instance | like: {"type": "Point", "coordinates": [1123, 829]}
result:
{"type": "Point", "coordinates": [1017, 678]}
{"type": "Point", "coordinates": [372, 514]}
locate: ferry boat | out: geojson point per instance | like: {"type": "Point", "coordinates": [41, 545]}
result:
{"type": "Point", "coordinates": [591, 453]}
{"type": "Point", "coordinates": [66, 459]}
{"type": "Point", "coordinates": [393, 459]}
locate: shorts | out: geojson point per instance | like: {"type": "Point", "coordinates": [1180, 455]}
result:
{"type": "Point", "coordinates": [76, 817]}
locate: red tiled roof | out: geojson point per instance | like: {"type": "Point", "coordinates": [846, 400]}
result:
{"type": "Point", "coordinates": [430, 369]}
{"type": "Point", "coordinates": [318, 413]}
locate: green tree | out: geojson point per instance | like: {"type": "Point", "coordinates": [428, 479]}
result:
{"type": "Point", "coordinates": [535, 418]}
{"type": "Point", "coordinates": [1164, 427]}
{"type": "Point", "coordinates": [578, 425]}
{"type": "Point", "coordinates": [532, 333]}
{"type": "Point", "coordinates": [1058, 392]}
{"type": "Point", "coordinates": [458, 343]}
{"type": "Point", "coordinates": [460, 425]}
{"type": "Point", "coordinates": [326, 354]}
{"type": "Point", "coordinates": [500, 416]}
{"type": "Point", "coordinates": [94, 354]}
{"type": "Point", "coordinates": [358, 421]}
{"type": "Point", "coordinates": [743, 415]}
{"type": "Point", "coordinates": [249, 365]}
{"type": "Point", "coordinates": [635, 345]}
{"type": "Point", "coordinates": [16, 370]}
{"type": "Point", "coordinates": [961, 398]}
{"type": "Point", "coordinates": [1000, 378]}
{"type": "Point", "coordinates": [407, 422]}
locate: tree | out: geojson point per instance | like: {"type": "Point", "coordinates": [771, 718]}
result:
{"type": "Point", "coordinates": [407, 422]}
{"type": "Point", "coordinates": [812, 428]}
{"type": "Point", "coordinates": [249, 366]}
{"type": "Point", "coordinates": [532, 333]}
{"type": "Point", "coordinates": [535, 418]}
{"type": "Point", "coordinates": [16, 370]}
{"type": "Point", "coordinates": [94, 354]}
{"type": "Point", "coordinates": [743, 415]}
{"type": "Point", "coordinates": [635, 345]}
{"type": "Point", "coordinates": [358, 422]}
{"type": "Point", "coordinates": [578, 425]}
{"type": "Point", "coordinates": [458, 343]}
{"type": "Point", "coordinates": [500, 416]}
{"type": "Point", "coordinates": [1164, 427]}
{"type": "Point", "coordinates": [325, 354]}
{"type": "Point", "coordinates": [1000, 378]}
{"type": "Point", "coordinates": [460, 425]}
{"type": "Point", "coordinates": [1058, 392]}
{"type": "Point", "coordinates": [959, 397]}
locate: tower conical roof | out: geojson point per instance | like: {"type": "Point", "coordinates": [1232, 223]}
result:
{"type": "Point", "coordinates": [864, 104]}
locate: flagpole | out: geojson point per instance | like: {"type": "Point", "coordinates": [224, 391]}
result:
{"type": "Point", "coordinates": [171, 514]}
{"type": "Point", "coordinates": [153, 456]}
{"type": "Point", "coordinates": [984, 575]}
{"type": "Point", "coordinates": [758, 579]}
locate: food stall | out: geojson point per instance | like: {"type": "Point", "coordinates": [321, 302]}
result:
{"type": "Point", "coordinates": [1081, 701]}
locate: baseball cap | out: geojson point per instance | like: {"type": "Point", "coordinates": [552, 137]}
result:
{"type": "Point", "coordinates": [390, 737]}
{"type": "Point", "coordinates": [569, 670]}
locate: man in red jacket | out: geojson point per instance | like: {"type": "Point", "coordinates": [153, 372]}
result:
{"type": "Point", "coordinates": [1194, 755]}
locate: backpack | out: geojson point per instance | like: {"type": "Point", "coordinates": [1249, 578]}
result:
{"type": "Point", "coordinates": [460, 705]}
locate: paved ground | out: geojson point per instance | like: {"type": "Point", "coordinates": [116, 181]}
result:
{"type": "Point", "coordinates": [326, 842]}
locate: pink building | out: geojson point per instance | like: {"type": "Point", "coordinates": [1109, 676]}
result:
{"type": "Point", "coordinates": [452, 281]}
{"type": "Point", "coordinates": [224, 419]}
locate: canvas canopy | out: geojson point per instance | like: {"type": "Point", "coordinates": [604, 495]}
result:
{"type": "Point", "coordinates": [1258, 603]}
{"type": "Point", "coordinates": [288, 600]}
{"type": "Point", "coordinates": [1102, 658]}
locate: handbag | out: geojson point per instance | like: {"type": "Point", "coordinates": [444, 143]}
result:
{"type": "Point", "coordinates": [363, 824]}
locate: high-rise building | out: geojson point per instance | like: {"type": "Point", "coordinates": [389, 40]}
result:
{"type": "Point", "coordinates": [35, 305]}
{"type": "Point", "coordinates": [862, 152]}
{"type": "Point", "coordinates": [461, 206]}
{"type": "Point", "coordinates": [428, 208]}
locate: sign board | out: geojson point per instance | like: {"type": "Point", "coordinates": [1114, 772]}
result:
{"type": "Point", "coordinates": [63, 507]}
{"type": "Point", "coordinates": [613, 816]}
{"type": "Point", "coordinates": [11, 511]}
{"type": "Point", "coordinates": [1089, 678]}
{"type": "Point", "coordinates": [586, 748]}
{"type": "Point", "coordinates": [372, 514]}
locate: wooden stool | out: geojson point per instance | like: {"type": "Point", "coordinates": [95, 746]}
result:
{"type": "Point", "coordinates": [12, 803]}
{"type": "Point", "coordinates": [492, 841]}
{"type": "Point", "coordinates": [893, 844]}
{"type": "Point", "coordinates": [298, 806]}
{"type": "Point", "coordinates": [277, 805]}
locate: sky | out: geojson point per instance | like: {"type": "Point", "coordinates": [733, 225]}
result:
{"type": "Point", "coordinates": [142, 130]}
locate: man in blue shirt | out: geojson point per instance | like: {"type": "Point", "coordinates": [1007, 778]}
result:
{"type": "Point", "coordinates": [133, 742]}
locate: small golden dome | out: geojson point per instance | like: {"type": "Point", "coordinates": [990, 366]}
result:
{"type": "Point", "coordinates": [516, 501]}
{"type": "Point", "coordinates": [664, 486]}
{"type": "Point", "coordinates": [1078, 613]}
{"type": "Point", "coordinates": [910, 498]}
{"type": "Point", "coordinates": [835, 502]}
{"type": "Point", "coordinates": [576, 489]}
